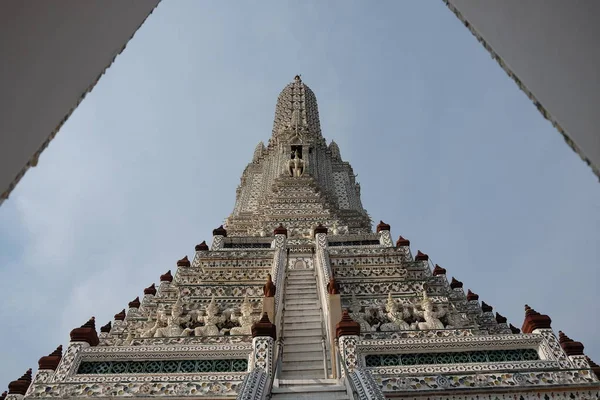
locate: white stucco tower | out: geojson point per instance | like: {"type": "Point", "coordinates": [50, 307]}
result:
{"type": "Point", "coordinates": [297, 297]}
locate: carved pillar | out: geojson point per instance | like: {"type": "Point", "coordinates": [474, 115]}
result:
{"type": "Point", "coordinates": [264, 334]}
{"type": "Point", "coordinates": [348, 334]}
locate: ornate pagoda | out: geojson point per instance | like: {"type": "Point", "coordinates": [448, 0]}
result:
{"type": "Point", "coordinates": [297, 297]}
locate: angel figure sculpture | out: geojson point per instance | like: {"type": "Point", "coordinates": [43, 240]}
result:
{"type": "Point", "coordinates": [396, 315]}
{"type": "Point", "coordinates": [357, 316]}
{"type": "Point", "coordinates": [245, 320]}
{"type": "Point", "coordinates": [211, 319]}
{"type": "Point", "coordinates": [173, 328]}
{"type": "Point", "coordinates": [432, 318]}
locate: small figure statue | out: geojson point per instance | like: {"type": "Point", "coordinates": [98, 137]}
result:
{"type": "Point", "coordinates": [269, 287]}
{"type": "Point", "coordinates": [396, 316]}
{"type": "Point", "coordinates": [173, 328]}
{"type": "Point", "coordinates": [296, 165]}
{"type": "Point", "coordinates": [358, 316]}
{"type": "Point", "coordinates": [456, 319]}
{"type": "Point", "coordinates": [210, 321]}
{"type": "Point", "coordinates": [160, 323]}
{"type": "Point", "coordinates": [245, 320]}
{"type": "Point", "coordinates": [431, 317]}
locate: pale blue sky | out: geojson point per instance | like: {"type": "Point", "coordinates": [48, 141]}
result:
{"type": "Point", "coordinates": [447, 150]}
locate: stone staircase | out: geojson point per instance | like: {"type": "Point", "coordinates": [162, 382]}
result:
{"type": "Point", "coordinates": [302, 372]}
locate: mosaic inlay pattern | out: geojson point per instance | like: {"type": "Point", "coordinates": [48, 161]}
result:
{"type": "Point", "coordinates": [384, 360]}
{"type": "Point", "coordinates": [162, 366]}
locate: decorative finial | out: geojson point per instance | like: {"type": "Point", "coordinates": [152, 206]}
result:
{"type": "Point", "coordinates": [220, 231]}
{"type": "Point", "coordinates": [347, 326]}
{"type": "Point", "coordinates": [106, 328]}
{"type": "Point", "coordinates": [86, 333]}
{"type": "Point", "coordinates": [421, 256]}
{"type": "Point", "coordinates": [3, 395]}
{"type": "Point", "coordinates": [514, 329]}
{"type": "Point", "coordinates": [320, 229]}
{"type": "Point", "coordinates": [280, 230]}
{"type": "Point", "coordinates": [500, 318]}
{"type": "Point", "coordinates": [21, 385]}
{"type": "Point", "coordinates": [456, 284]}
{"type": "Point", "coordinates": [202, 246]}
{"type": "Point", "coordinates": [472, 296]}
{"type": "Point", "coordinates": [150, 290]}
{"type": "Point", "coordinates": [135, 303]}
{"type": "Point", "coordinates": [486, 307]}
{"type": "Point", "coordinates": [120, 316]}
{"type": "Point", "coordinates": [269, 288]}
{"type": "Point", "coordinates": [382, 226]}
{"type": "Point", "coordinates": [401, 242]}
{"type": "Point", "coordinates": [534, 320]}
{"type": "Point", "coordinates": [52, 360]}
{"type": "Point", "coordinates": [437, 270]}
{"type": "Point", "coordinates": [264, 327]}
{"type": "Point", "coordinates": [298, 78]}
{"type": "Point", "coordinates": [571, 347]}
{"type": "Point", "coordinates": [184, 262]}
{"type": "Point", "coordinates": [166, 277]}
{"type": "Point", "coordinates": [333, 287]}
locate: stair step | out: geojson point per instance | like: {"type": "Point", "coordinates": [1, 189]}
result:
{"type": "Point", "coordinates": [309, 389]}
{"type": "Point", "coordinates": [309, 365]}
{"type": "Point", "coordinates": [300, 326]}
{"type": "Point", "coordinates": [300, 301]}
{"type": "Point", "coordinates": [293, 341]}
{"type": "Point", "coordinates": [311, 396]}
{"type": "Point", "coordinates": [303, 348]}
{"type": "Point", "coordinates": [309, 382]}
{"type": "Point", "coordinates": [296, 288]}
{"type": "Point", "coordinates": [302, 307]}
{"type": "Point", "coordinates": [303, 356]}
{"type": "Point", "coordinates": [302, 313]}
{"type": "Point", "coordinates": [302, 333]}
{"type": "Point", "coordinates": [297, 319]}
{"type": "Point", "coordinates": [303, 374]}
{"type": "Point", "coordinates": [300, 293]}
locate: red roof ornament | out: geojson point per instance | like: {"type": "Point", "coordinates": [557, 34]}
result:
{"type": "Point", "coordinates": [269, 288]}
{"type": "Point", "coordinates": [438, 270]}
{"type": "Point", "coordinates": [202, 246]}
{"type": "Point", "coordinates": [514, 329]}
{"type": "Point", "coordinates": [456, 284]}
{"type": "Point", "coordinates": [264, 327]}
{"type": "Point", "coordinates": [21, 385]}
{"type": "Point", "coordinates": [135, 303]}
{"type": "Point", "coordinates": [120, 316]}
{"type": "Point", "coordinates": [3, 395]}
{"type": "Point", "coordinates": [106, 328]}
{"type": "Point", "coordinates": [500, 318]}
{"type": "Point", "coordinates": [86, 333]}
{"type": "Point", "coordinates": [571, 347]}
{"type": "Point", "coordinates": [534, 320]}
{"type": "Point", "coordinates": [150, 290]}
{"type": "Point", "coordinates": [382, 226]}
{"type": "Point", "coordinates": [319, 229]}
{"type": "Point", "coordinates": [220, 231]}
{"type": "Point", "coordinates": [280, 230]}
{"type": "Point", "coordinates": [421, 256]}
{"type": "Point", "coordinates": [184, 262]}
{"type": "Point", "coordinates": [472, 296]}
{"type": "Point", "coordinates": [485, 307]}
{"type": "Point", "coordinates": [52, 360]}
{"type": "Point", "coordinates": [347, 326]}
{"type": "Point", "coordinates": [167, 277]}
{"type": "Point", "coordinates": [333, 287]}
{"type": "Point", "coordinates": [401, 242]}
